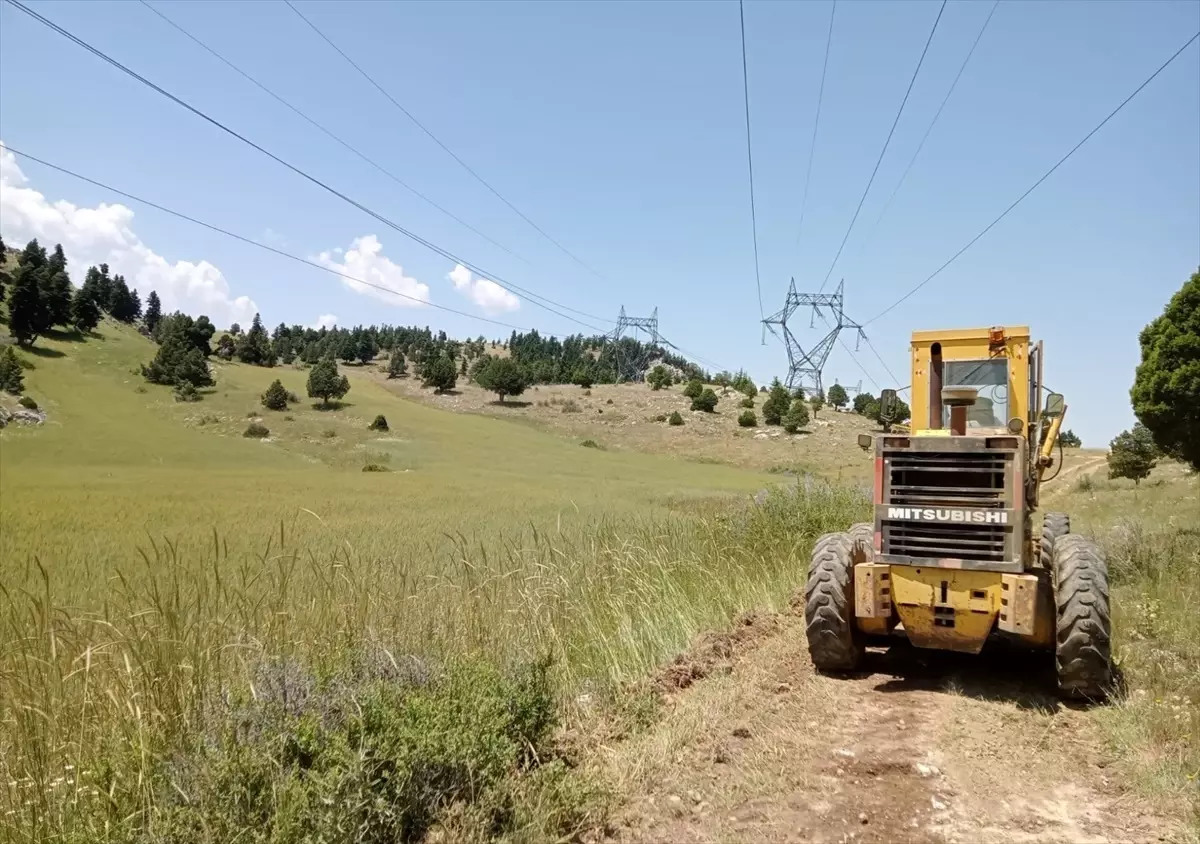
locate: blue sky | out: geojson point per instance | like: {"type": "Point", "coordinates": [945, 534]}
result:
{"type": "Point", "coordinates": [619, 129]}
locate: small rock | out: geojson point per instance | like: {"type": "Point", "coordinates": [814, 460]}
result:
{"type": "Point", "coordinates": [694, 796]}
{"type": "Point", "coordinates": [720, 756]}
{"type": "Point", "coordinates": [938, 805]}
{"type": "Point", "coordinates": [674, 799]}
{"type": "Point", "coordinates": [783, 688]}
{"type": "Point", "coordinates": [741, 732]}
{"type": "Point", "coordinates": [844, 752]}
{"type": "Point", "coordinates": [927, 770]}
{"type": "Point", "coordinates": [862, 817]}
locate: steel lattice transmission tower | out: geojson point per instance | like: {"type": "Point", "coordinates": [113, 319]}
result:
{"type": "Point", "coordinates": [805, 367]}
{"type": "Point", "coordinates": [631, 366]}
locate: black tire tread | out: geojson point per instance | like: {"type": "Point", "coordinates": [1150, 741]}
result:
{"type": "Point", "coordinates": [1083, 636]}
{"type": "Point", "coordinates": [833, 641]}
{"type": "Point", "coordinates": [1054, 525]}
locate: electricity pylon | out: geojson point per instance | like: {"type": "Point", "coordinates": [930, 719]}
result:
{"type": "Point", "coordinates": [631, 367]}
{"type": "Point", "coordinates": [805, 368]}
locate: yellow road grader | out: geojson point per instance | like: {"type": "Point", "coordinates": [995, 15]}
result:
{"type": "Point", "coordinates": [951, 559]}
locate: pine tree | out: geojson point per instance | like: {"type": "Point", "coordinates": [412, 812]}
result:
{"type": "Point", "coordinates": [85, 313]}
{"type": "Point", "coordinates": [153, 312]}
{"type": "Point", "coordinates": [396, 364]}
{"type": "Point", "coordinates": [276, 396]}
{"type": "Point", "coordinates": [706, 401]}
{"type": "Point", "coordinates": [502, 376]}
{"type": "Point", "coordinates": [254, 347]}
{"type": "Point", "coordinates": [11, 375]}
{"type": "Point", "coordinates": [226, 347]}
{"type": "Point", "coordinates": [325, 383]}
{"type": "Point", "coordinates": [838, 397]}
{"type": "Point", "coordinates": [56, 289]}
{"type": "Point", "coordinates": [178, 360]}
{"type": "Point", "coordinates": [1132, 454]}
{"type": "Point", "coordinates": [366, 349]}
{"type": "Point", "coordinates": [693, 388]}
{"type": "Point", "coordinates": [4, 276]}
{"type": "Point", "coordinates": [121, 303]}
{"type": "Point", "coordinates": [27, 313]}
{"type": "Point", "coordinates": [816, 402]}
{"type": "Point", "coordinates": [776, 404]}
{"type": "Point", "coordinates": [440, 374]}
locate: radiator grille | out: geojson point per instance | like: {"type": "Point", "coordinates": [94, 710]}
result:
{"type": "Point", "coordinates": [974, 480]}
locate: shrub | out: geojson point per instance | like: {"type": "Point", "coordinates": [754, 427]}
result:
{"type": "Point", "coordinates": [379, 423]}
{"type": "Point", "coordinates": [27, 402]}
{"type": "Point", "coordinates": [662, 417]}
{"type": "Point", "coordinates": [1085, 483]}
{"type": "Point", "coordinates": [590, 444]}
{"type": "Point", "coordinates": [610, 401]}
{"type": "Point", "coordinates": [329, 433]}
{"type": "Point", "coordinates": [292, 398]}
{"type": "Point", "coordinates": [796, 416]}
{"type": "Point", "coordinates": [693, 388]}
{"type": "Point", "coordinates": [186, 393]}
{"type": "Point", "coordinates": [276, 397]}
{"type": "Point", "coordinates": [659, 377]}
{"type": "Point", "coordinates": [289, 418]}
{"type": "Point", "coordinates": [11, 377]}
{"type": "Point", "coordinates": [838, 397]}
{"type": "Point", "coordinates": [569, 406]}
{"type": "Point", "coordinates": [706, 401]}
{"type": "Point", "coordinates": [256, 430]}
{"type": "Point", "coordinates": [675, 419]}
{"type": "Point", "coordinates": [377, 462]}
{"type": "Point", "coordinates": [747, 419]}
{"type": "Point", "coordinates": [748, 403]}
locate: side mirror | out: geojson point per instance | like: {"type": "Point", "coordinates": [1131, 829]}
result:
{"type": "Point", "coordinates": [887, 405]}
{"type": "Point", "coordinates": [1054, 405]}
{"type": "Point", "coordinates": [864, 441]}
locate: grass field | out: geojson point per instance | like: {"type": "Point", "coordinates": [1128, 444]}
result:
{"type": "Point", "coordinates": [1151, 535]}
{"type": "Point", "coordinates": [162, 574]}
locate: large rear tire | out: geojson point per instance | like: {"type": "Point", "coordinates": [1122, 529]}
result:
{"type": "Point", "coordinates": [833, 642]}
{"type": "Point", "coordinates": [1083, 643]}
{"type": "Point", "coordinates": [1054, 525]}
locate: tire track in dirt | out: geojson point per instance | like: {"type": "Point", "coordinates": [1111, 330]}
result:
{"type": "Point", "coordinates": [920, 747]}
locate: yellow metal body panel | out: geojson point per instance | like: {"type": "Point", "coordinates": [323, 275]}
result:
{"type": "Point", "coordinates": [959, 615]}
{"type": "Point", "coordinates": [948, 609]}
{"type": "Point", "coordinates": [971, 344]}
{"type": "Point", "coordinates": [873, 598]}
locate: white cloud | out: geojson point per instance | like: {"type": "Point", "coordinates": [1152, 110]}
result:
{"type": "Point", "coordinates": [326, 321]}
{"type": "Point", "coordinates": [365, 260]}
{"type": "Point", "coordinates": [488, 295]}
{"type": "Point", "coordinates": [104, 235]}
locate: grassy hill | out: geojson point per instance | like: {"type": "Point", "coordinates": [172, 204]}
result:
{"type": "Point", "coordinates": [116, 451]}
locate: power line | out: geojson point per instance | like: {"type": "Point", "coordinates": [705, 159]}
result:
{"type": "Point", "coordinates": [932, 123]}
{"type": "Point", "coordinates": [533, 297]}
{"type": "Point", "coordinates": [438, 141]}
{"type": "Point", "coordinates": [750, 159]}
{"type": "Point", "coordinates": [883, 151]}
{"type": "Point", "coordinates": [882, 362]}
{"type": "Point", "coordinates": [251, 241]}
{"type": "Point", "coordinates": [330, 134]}
{"type": "Point", "coordinates": [1034, 186]}
{"type": "Point", "coordinates": [812, 148]}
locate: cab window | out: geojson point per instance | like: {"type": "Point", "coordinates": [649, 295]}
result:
{"type": "Point", "coordinates": [990, 378]}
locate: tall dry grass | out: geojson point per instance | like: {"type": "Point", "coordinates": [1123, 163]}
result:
{"type": "Point", "coordinates": [100, 694]}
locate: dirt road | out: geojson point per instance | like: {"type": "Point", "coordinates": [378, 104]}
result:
{"type": "Point", "coordinates": [919, 747]}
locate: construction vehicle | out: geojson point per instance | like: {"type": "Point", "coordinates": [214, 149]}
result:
{"type": "Point", "coordinates": [952, 560]}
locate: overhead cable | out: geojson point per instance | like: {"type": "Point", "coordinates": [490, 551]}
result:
{"type": "Point", "coordinates": [1035, 185]}
{"type": "Point", "coordinates": [812, 147]}
{"type": "Point", "coordinates": [499, 281]}
{"type": "Point", "coordinates": [330, 134]}
{"type": "Point", "coordinates": [750, 159]}
{"type": "Point", "coordinates": [932, 123]}
{"type": "Point", "coordinates": [252, 241]}
{"type": "Point", "coordinates": [883, 151]}
{"type": "Point", "coordinates": [439, 142]}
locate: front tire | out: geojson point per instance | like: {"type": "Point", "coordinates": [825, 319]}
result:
{"type": "Point", "coordinates": [1083, 643]}
{"type": "Point", "coordinates": [1054, 525]}
{"type": "Point", "coordinates": [833, 642]}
